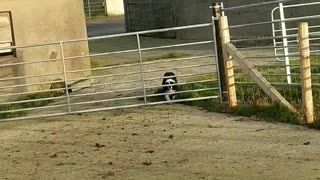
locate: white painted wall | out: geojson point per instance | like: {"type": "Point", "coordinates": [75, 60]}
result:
{"type": "Point", "coordinates": [115, 7]}
{"type": "Point", "coordinates": [5, 33]}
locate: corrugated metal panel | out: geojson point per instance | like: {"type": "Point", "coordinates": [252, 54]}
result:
{"type": "Point", "coordinates": [151, 15]}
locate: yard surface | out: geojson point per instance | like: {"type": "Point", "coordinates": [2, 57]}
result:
{"type": "Point", "coordinates": [104, 26]}
{"type": "Point", "coordinates": [161, 142]}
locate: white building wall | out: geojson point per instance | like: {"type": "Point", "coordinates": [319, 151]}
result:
{"type": "Point", "coordinates": [115, 7]}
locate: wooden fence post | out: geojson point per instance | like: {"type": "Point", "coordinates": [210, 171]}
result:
{"type": "Point", "coordinates": [225, 61]}
{"type": "Point", "coordinates": [305, 71]}
{"type": "Point", "coordinates": [228, 61]}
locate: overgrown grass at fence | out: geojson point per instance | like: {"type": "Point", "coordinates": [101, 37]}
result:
{"type": "Point", "coordinates": [25, 105]}
{"type": "Point", "coordinates": [252, 100]}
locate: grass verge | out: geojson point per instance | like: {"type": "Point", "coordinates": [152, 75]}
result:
{"type": "Point", "coordinates": [253, 102]}
{"type": "Point", "coordinates": [26, 105]}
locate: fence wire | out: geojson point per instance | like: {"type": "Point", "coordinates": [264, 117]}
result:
{"type": "Point", "coordinates": [276, 55]}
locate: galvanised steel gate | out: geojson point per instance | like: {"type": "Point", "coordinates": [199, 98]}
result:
{"type": "Point", "coordinates": [108, 84]}
{"type": "Point", "coordinates": [280, 27]}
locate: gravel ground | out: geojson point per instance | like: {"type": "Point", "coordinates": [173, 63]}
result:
{"type": "Point", "coordinates": [161, 142]}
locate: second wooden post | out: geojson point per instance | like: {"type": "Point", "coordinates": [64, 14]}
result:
{"type": "Point", "coordinates": [305, 71]}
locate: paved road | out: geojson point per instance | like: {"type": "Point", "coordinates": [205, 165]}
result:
{"type": "Point", "coordinates": [106, 26]}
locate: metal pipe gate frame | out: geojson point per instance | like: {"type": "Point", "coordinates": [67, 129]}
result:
{"type": "Point", "coordinates": [67, 101]}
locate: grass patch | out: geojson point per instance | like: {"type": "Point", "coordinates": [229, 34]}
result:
{"type": "Point", "coordinates": [26, 105]}
{"type": "Point", "coordinates": [274, 112]}
{"type": "Point", "coordinates": [253, 102]}
{"type": "Point", "coordinates": [315, 65]}
{"type": "Point", "coordinates": [95, 71]}
{"type": "Point", "coordinates": [94, 64]}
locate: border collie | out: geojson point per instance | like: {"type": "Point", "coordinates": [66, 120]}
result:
{"type": "Point", "coordinates": [169, 79]}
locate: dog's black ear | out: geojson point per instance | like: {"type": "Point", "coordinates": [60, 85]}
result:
{"type": "Point", "coordinates": [164, 81]}
{"type": "Point", "coordinates": [169, 74]}
{"type": "Point", "coordinates": [175, 79]}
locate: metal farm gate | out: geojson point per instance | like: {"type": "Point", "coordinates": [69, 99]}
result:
{"type": "Point", "coordinates": [288, 30]}
{"type": "Point", "coordinates": [114, 85]}
{"type": "Point", "coordinates": [281, 67]}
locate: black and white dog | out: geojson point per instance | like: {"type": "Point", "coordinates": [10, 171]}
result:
{"type": "Point", "coordinates": [170, 86]}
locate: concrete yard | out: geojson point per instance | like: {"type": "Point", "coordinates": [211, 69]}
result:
{"type": "Point", "coordinates": [161, 142]}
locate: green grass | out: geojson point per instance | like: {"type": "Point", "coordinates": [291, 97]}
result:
{"type": "Point", "coordinates": [274, 112]}
{"type": "Point", "coordinates": [28, 104]}
{"type": "Point", "coordinates": [253, 102]}
{"type": "Point", "coordinates": [95, 64]}
{"type": "Point", "coordinates": [315, 65]}
{"type": "Point", "coordinates": [11, 114]}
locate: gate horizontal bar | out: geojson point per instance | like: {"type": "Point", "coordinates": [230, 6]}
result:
{"type": "Point", "coordinates": [255, 5]}
{"type": "Point", "coordinates": [31, 109]}
{"type": "Point", "coordinates": [183, 100]}
{"type": "Point", "coordinates": [180, 67]}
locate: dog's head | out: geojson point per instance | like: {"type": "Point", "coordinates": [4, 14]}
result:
{"type": "Point", "coordinates": [169, 82]}
{"type": "Point", "coordinates": [169, 85]}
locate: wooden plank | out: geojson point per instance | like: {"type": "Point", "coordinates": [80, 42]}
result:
{"type": "Point", "coordinates": [257, 77]}
{"type": "Point", "coordinates": [228, 62]}
{"type": "Point", "coordinates": [305, 72]}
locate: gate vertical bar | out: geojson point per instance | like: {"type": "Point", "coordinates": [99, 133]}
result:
{"type": "Point", "coordinates": [65, 75]}
{"type": "Point", "coordinates": [274, 33]}
{"type": "Point", "coordinates": [105, 8]}
{"type": "Point", "coordinates": [285, 43]}
{"type": "Point", "coordinates": [214, 31]}
{"type": "Point", "coordinates": [141, 69]}
{"type": "Point", "coordinates": [89, 8]}
{"type": "Point", "coordinates": [306, 78]}
{"type": "Point", "coordinates": [217, 13]}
